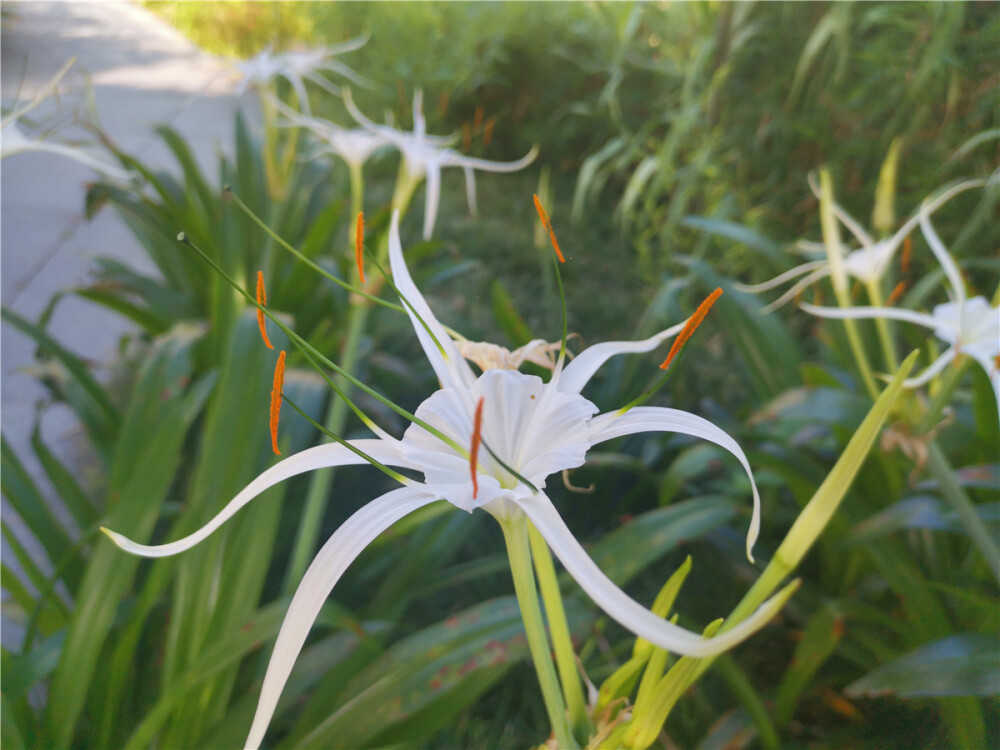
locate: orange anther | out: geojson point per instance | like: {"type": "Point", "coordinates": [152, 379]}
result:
{"type": "Point", "coordinates": [691, 326]}
{"type": "Point", "coordinates": [488, 131]}
{"type": "Point", "coordinates": [279, 381]}
{"type": "Point", "coordinates": [359, 245]}
{"type": "Point", "coordinates": [262, 300]}
{"type": "Point", "coordinates": [477, 435]}
{"type": "Point", "coordinates": [478, 120]}
{"type": "Point", "coordinates": [904, 262]}
{"type": "Point", "coordinates": [466, 137]}
{"type": "Point", "coordinates": [548, 225]}
{"type": "Point", "coordinates": [897, 292]}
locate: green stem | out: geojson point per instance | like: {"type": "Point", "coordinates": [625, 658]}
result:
{"type": "Point", "coordinates": [548, 583]}
{"type": "Point", "coordinates": [322, 479]}
{"type": "Point", "coordinates": [515, 532]}
{"type": "Point", "coordinates": [860, 357]}
{"type": "Point", "coordinates": [963, 506]}
{"type": "Point", "coordinates": [875, 295]}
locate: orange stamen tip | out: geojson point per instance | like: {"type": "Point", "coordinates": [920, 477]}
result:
{"type": "Point", "coordinates": [904, 262]}
{"type": "Point", "coordinates": [548, 226]}
{"type": "Point", "coordinates": [279, 381]}
{"type": "Point", "coordinates": [897, 292]}
{"type": "Point", "coordinates": [477, 435]}
{"type": "Point", "coordinates": [488, 131]}
{"type": "Point", "coordinates": [262, 300]}
{"type": "Point", "coordinates": [478, 119]}
{"type": "Point", "coordinates": [359, 245]}
{"type": "Point", "coordinates": [691, 326]}
{"type": "Point", "coordinates": [466, 136]}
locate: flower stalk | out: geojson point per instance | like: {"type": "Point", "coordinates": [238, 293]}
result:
{"type": "Point", "coordinates": [515, 533]}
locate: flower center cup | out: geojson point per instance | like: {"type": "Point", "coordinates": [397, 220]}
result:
{"type": "Point", "coordinates": [529, 425]}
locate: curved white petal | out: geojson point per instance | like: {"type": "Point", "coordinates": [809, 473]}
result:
{"type": "Point", "coordinates": [992, 370]}
{"type": "Point", "coordinates": [578, 373]}
{"type": "Point", "coordinates": [932, 369]}
{"type": "Point", "coordinates": [659, 419]}
{"type": "Point", "coordinates": [432, 198]}
{"type": "Point", "coordinates": [323, 83]}
{"type": "Point", "coordinates": [781, 278]}
{"type": "Point", "coordinates": [347, 46]}
{"type": "Point", "coordinates": [622, 607]}
{"type": "Point", "coordinates": [470, 189]}
{"type": "Point", "coordinates": [845, 218]}
{"type": "Point", "coordinates": [455, 159]}
{"type": "Point", "coordinates": [795, 289]}
{"type": "Point", "coordinates": [335, 66]}
{"type": "Point", "coordinates": [943, 256]}
{"type": "Point", "coordinates": [340, 551]}
{"type": "Point", "coordinates": [857, 313]}
{"type": "Point", "coordinates": [322, 456]}
{"type": "Point", "coordinates": [451, 368]}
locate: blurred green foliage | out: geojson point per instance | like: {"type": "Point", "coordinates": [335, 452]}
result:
{"type": "Point", "coordinates": [681, 134]}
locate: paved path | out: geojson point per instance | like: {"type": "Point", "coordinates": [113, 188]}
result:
{"type": "Point", "coordinates": [143, 73]}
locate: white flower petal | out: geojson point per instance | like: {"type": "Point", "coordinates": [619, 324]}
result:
{"type": "Point", "coordinates": [322, 456]}
{"type": "Point", "coordinates": [617, 604]}
{"type": "Point", "coordinates": [654, 418]}
{"type": "Point", "coordinates": [578, 373]}
{"type": "Point", "coordinates": [795, 289]}
{"type": "Point", "coordinates": [944, 257]}
{"type": "Point", "coordinates": [932, 369]}
{"type": "Point", "coordinates": [992, 370]}
{"type": "Point", "coordinates": [781, 278]}
{"type": "Point", "coordinates": [455, 159]}
{"type": "Point", "coordinates": [858, 313]}
{"type": "Point", "coordinates": [451, 368]}
{"type": "Point", "coordinates": [845, 218]}
{"type": "Point", "coordinates": [337, 554]}
{"type": "Point", "coordinates": [432, 197]}
{"type": "Point", "coordinates": [470, 189]}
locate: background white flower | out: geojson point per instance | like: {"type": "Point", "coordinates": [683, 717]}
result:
{"type": "Point", "coordinates": [968, 326]}
{"type": "Point", "coordinates": [424, 156]}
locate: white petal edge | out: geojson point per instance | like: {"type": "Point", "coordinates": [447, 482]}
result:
{"type": "Point", "coordinates": [579, 371]}
{"type": "Point", "coordinates": [659, 419]}
{"type": "Point", "coordinates": [319, 457]}
{"type": "Point", "coordinates": [845, 218]}
{"type": "Point", "coordinates": [619, 605]}
{"type": "Point", "coordinates": [340, 550]}
{"type": "Point", "coordinates": [455, 159]}
{"type": "Point", "coordinates": [432, 198]}
{"type": "Point", "coordinates": [943, 256]}
{"type": "Point", "coordinates": [992, 372]}
{"type": "Point", "coordinates": [451, 368]}
{"type": "Point", "coordinates": [781, 278]}
{"type": "Point", "coordinates": [800, 286]}
{"type": "Point", "coordinates": [932, 369]}
{"type": "Point", "coordinates": [858, 313]}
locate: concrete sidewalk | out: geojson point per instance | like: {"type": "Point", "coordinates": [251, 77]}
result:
{"type": "Point", "coordinates": [143, 73]}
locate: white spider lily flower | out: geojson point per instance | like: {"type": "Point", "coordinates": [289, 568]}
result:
{"type": "Point", "coordinates": [868, 263]}
{"type": "Point", "coordinates": [968, 326]}
{"type": "Point", "coordinates": [424, 156]}
{"type": "Point", "coordinates": [297, 67]}
{"type": "Point", "coordinates": [536, 428]}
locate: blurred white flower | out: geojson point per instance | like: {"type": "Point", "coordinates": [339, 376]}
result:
{"type": "Point", "coordinates": [297, 67]}
{"type": "Point", "coordinates": [424, 156]}
{"type": "Point", "coordinates": [868, 263]}
{"type": "Point", "coordinates": [968, 326]}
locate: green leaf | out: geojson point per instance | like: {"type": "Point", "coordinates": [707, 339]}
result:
{"type": "Point", "coordinates": [959, 665]}
{"type": "Point", "coordinates": [819, 640]}
{"type": "Point", "coordinates": [644, 539]}
{"type": "Point", "coordinates": [740, 234]}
